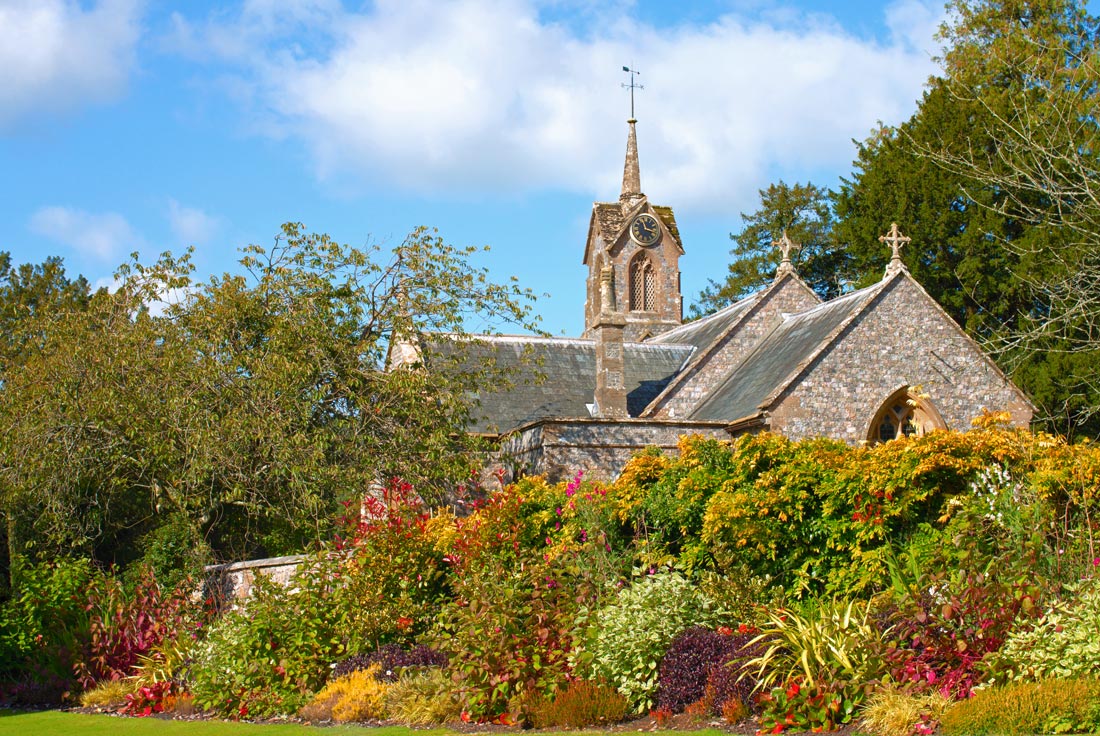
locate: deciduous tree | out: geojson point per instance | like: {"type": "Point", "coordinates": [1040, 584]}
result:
{"type": "Point", "coordinates": [255, 402]}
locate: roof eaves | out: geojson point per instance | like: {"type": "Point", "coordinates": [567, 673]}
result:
{"type": "Point", "coordinates": [758, 419]}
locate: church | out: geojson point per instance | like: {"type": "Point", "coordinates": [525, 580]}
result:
{"type": "Point", "coordinates": [867, 366]}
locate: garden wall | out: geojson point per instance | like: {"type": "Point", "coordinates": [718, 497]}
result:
{"type": "Point", "coordinates": [233, 581]}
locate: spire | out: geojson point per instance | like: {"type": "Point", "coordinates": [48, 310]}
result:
{"type": "Point", "coordinates": [632, 178]}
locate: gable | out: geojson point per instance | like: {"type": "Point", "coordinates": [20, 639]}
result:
{"type": "Point", "coordinates": [608, 226]}
{"type": "Point", "coordinates": [779, 357]}
{"type": "Point", "coordinates": [901, 338]}
{"type": "Point", "coordinates": [724, 339]}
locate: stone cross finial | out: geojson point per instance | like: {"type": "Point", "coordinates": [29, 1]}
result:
{"type": "Point", "coordinates": [785, 245]}
{"type": "Point", "coordinates": [895, 240]}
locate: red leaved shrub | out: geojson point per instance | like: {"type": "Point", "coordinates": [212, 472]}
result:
{"type": "Point", "coordinates": [125, 625]}
{"type": "Point", "coordinates": [701, 657]}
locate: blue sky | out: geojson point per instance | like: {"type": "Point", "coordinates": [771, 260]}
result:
{"type": "Point", "coordinates": [129, 125]}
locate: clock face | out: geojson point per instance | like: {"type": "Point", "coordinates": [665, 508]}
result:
{"type": "Point", "coordinates": [645, 230]}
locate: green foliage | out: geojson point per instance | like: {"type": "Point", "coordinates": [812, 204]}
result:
{"type": "Point", "coordinates": [45, 624]}
{"type": "Point", "coordinates": [425, 697]}
{"type": "Point", "coordinates": [268, 657]}
{"type": "Point", "coordinates": [358, 696]}
{"type": "Point", "coordinates": [28, 294]}
{"type": "Point", "coordinates": [583, 703]}
{"type": "Point", "coordinates": [255, 404]}
{"type": "Point", "coordinates": [1050, 706]}
{"type": "Point", "coordinates": [892, 712]}
{"type": "Point", "coordinates": [506, 634]}
{"type": "Point", "coordinates": [394, 601]}
{"type": "Point", "coordinates": [835, 647]}
{"type": "Point", "coordinates": [818, 516]}
{"type": "Point", "coordinates": [626, 639]}
{"type": "Point", "coordinates": [742, 594]}
{"type": "Point", "coordinates": [1063, 644]}
{"type": "Point", "coordinates": [804, 213]}
{"type": "Point", "coordinates": [767, 516]}
{"type": "Point", "coordinates": [174, 552]}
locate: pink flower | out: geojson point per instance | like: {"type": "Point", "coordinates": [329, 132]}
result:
{"type": "Point", "coordinates": [574, 484]}
{"type": "Point", "coordinates": [1096, 561]}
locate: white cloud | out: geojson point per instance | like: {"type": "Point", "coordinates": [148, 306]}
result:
{"type": "Point", "coordinates": [55, 55]}
{"type": "Point", "coordinates": [486, 95]}
{"type": "Point", "coordinates": [103, 236]}
{"type": "Point", "coordinates": [190, 225]}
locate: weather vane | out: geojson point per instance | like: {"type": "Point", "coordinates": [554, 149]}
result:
{"type": "Point", "coordinates": [632, 86]}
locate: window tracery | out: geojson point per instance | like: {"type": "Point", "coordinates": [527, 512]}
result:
{"type": "Point", "coordinates": [643, 284]}
{"type": "Point", "coordinates": [905, 413]}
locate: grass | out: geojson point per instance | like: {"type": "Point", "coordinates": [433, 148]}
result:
{"type": "Point", "coordinates": [50, 722]}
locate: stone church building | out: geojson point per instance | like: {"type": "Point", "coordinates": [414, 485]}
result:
{"type": "Point", "coordinates": [865, 367]}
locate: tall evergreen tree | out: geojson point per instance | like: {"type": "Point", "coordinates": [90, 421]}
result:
{"type": "Point", "coordinates": [957, 250]}
{"type": "Point", "coordinates": [995, 179]}
{"type": "Point", "coordinates": [804, 213]}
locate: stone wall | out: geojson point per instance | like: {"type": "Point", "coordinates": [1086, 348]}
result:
{"type": "Point", "coordinates": [787, 296]}
{"type": "Point", "coordinates": [234, 581]}
{"type": "Point", "coordinates": [558, 448]}
{"type": "Point", "coordinates": [901, 339]}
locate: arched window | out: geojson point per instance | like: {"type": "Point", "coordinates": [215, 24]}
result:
{"type": "Point", "coordinates": [643, 284]}
{"type": "Point", "coordinates": [906, 413]}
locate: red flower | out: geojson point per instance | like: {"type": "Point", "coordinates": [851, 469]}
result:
{"type": "Point", "coordinates": [793, 690]}
{"type": "Point", "coordinates": [403, 623]}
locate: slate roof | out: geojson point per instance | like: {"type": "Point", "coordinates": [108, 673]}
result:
{"type": "Point", "coordinates": [704, 331]}
{"type": "Point", "coordinates": [781, 355]}
{"type": "Point", "coordinates": [569, 370]}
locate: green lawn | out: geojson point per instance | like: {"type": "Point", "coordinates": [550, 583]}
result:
{"type": "Point", "coordinates": [49, 723]}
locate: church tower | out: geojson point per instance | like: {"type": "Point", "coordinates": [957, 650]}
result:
{"type": "Point", "coordinates": [638, 244]}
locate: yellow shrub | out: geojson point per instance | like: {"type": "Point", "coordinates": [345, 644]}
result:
{"type": "Point", "coordinates": [890, 712]}
{"type": "Point", "coordinates": [442, 530]}
{"type": "Point", "coordinates": [630, 488]}
{"type": "Point", "coordinates": [108, 693]}
{"type": "Point", "coordinates": [1050, 706]}
{"type": "Point", "coordinates": [358, 696]}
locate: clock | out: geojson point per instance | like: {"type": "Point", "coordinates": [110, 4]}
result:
{"type": "Point", "coordinates": [645, 229]}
